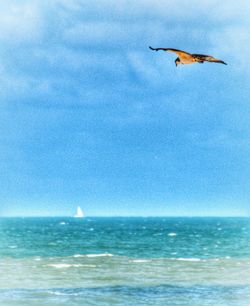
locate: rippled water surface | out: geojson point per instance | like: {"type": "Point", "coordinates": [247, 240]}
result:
{"type": "Point", "coordinates": [125, 261]}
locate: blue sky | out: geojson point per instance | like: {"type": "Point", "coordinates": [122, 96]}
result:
{"type": "Point", "coordinates": [90, 116]}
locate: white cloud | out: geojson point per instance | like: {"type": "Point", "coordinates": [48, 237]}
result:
{"type": "Point", "coordinates": [72, 42]}
{"type": "Point", "coordinates": [20, 22]}
{"type": "Point", "coordinates": [234, 43]}
{"type": "Point", "coordinates": [151, 9]}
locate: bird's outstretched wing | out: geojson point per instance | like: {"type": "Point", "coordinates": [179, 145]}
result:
{"type": "Point", "coordinates": [178, 52]}
{"type": "Point", "coordinates": [207, 58]}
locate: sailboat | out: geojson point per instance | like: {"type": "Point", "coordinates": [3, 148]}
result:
{"type": "Point", "coordinates": [79, 213]}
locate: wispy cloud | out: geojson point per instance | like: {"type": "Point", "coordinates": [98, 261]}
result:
{"type": "Point", "coordinates": [77, 40]}
{"type": "Point", "coordinates": [21, 22]}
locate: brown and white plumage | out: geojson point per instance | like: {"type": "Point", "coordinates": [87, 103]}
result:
{"type": "Point", "coordinates": [189, 58]}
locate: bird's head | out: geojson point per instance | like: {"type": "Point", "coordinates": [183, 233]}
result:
{"type": "Point", "coordinates": [177, 62]}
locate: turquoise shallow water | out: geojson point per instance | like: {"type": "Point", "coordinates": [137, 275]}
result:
{"type": "Point", "coordinates": [125, 261]}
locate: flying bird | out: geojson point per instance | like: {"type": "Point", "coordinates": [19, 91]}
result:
{"type": "Point", "coordinates": [190, 58]}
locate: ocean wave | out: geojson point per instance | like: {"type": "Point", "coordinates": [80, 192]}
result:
{"type": "Point", "coordinates": [37, 258]}
{"type": "Point", "coordinates": [172, 234]}
{"type": "Point", "coordinates": [196, 259]}
{"type": "Point", "coordinates": [59, 266]}
{"type": "Point", "coordinates": [63, 266]}
{"type": "Point", "coordinates": [140, 260]}
{"type": "Point", "coordinates": [93, 255]}
{"type": "Point", "coordinates": [188, 259]}
{"type": "Point", "coordinates": [99, 255]}
{"type": "Point", "coordinates": [64, 292]}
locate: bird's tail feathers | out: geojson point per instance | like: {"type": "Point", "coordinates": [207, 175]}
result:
{"type": "Point", "coordinates": [222, 62]}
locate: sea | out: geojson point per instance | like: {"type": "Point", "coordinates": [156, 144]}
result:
{"type": "Point", "coordinates": [125, 261]}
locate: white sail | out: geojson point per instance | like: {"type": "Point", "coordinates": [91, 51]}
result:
{"type": "Point", "coordinates": [79, 213]}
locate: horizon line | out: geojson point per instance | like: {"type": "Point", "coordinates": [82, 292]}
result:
{"type": "Point", "coordinates": [128, 216]}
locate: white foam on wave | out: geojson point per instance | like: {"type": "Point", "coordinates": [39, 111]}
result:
{"type": "Point", "coordinates": [52, 243]}
{"type": "Point", "coordinates": [63, 266]}
{"type": "Point", "coordinates": [78, 255]}
{"type": "Point", "coordinates": [188, 259]}
{"type": "Point", "coordinates": [140, 260]}
{"type": "Point", "coordinates": [172, 234]}
{"type": "Point", "coordinates": [63, 293]}
{"type": "Point", "coordinates": [37, 259]}
{"type": "Point", "coordinates": [59, 266]}
{"type": "Point", "coordinates": [99, 255]}
{"type": "Point", "coordinates": [93, 255]}
{"type": "Point", "coordinates": [57, 293]}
